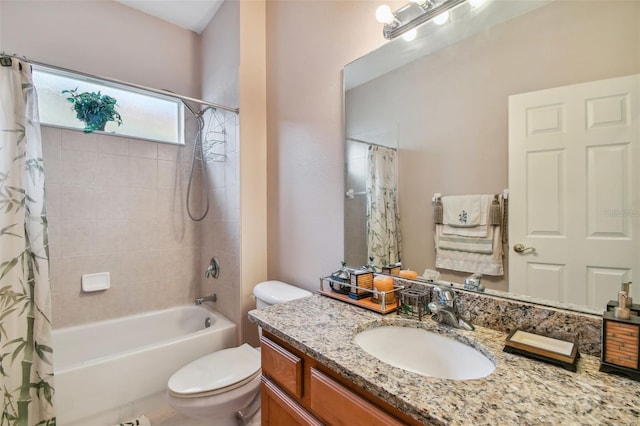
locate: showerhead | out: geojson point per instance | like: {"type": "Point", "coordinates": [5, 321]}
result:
{"type": "Point", "coordinates": [199, 113]}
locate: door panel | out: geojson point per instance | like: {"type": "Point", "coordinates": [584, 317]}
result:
{"type": "Point", "coordinates": [545, 190]}
{"type": "Point", "coordinates": [574, 181]}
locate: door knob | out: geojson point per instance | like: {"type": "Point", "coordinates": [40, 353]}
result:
{"type": "Point", "coordinates": [520, 248]}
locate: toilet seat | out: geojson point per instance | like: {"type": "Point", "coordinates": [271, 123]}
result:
{"type": "Point", "coordinates": [216, 373]}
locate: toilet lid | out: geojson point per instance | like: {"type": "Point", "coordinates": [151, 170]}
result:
{"type": "Point", "coordinates": [276, 292]}
{"type": "Point", "coordinates": [219, 370]}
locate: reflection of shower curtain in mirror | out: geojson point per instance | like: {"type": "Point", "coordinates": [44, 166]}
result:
{"type": "Point", "coordinates": [383, 217]}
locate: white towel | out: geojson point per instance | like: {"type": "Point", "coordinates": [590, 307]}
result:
{"type": "Point", "coordinates": [466, 261]}
{"type": "Point", "coordinates": [478, 211]}
{"type": "Point", "coordinates": [463, 211]}
{"type": "Point", "coordinates": [481, 231]}
{"type": "Point", "coordinates": [138, 421]}
{"type": "Point", "coordinates": [482, 245]}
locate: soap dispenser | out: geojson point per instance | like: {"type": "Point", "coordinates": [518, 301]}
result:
{"type": "Point", "coordinates": [633, 307]}
{"type": "Point", "coordinates": [625, 288]}
{"type": "Point", "coordinates": [621, 339]}
{"type": "Point", "coordinates": [622, 311]}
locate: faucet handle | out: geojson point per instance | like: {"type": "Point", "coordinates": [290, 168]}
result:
{"type": "Point", "coordinates": [472, 282]}
{"type": "Point", "coordinates": [213, 270]}
{"type": "Point", "coordinates": [445, 296]}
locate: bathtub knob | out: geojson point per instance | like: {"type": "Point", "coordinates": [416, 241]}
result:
{"type": "Point", "coordinates": [213, 270]}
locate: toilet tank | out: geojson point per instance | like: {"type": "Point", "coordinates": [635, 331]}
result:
{"type": "Point", "coordinates": [275, 292]}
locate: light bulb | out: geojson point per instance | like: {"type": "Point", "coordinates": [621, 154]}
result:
{"type": "Point", "coordinates": [476, 3]}
{"type": "Point", "coordinates": [410, 35]}
{"type": "Point", "coordinates": [384, 14]}
{"type": "Point", "coordinates": [442, 18]}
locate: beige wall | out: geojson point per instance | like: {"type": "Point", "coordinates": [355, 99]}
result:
{"type": "Point", "coordinates": [308, 44]}
{"type": "Point", "coordinates": [253, 151]}
{"type": "Point", "coordinates": [221, 229]}
{"type": "Point", "coordinates": [450, 108]}
{"type": "Point", "coordinates": [103, 38]}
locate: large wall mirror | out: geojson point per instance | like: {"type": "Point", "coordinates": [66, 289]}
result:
{"type": "Point", "coordinates": [441, 104]}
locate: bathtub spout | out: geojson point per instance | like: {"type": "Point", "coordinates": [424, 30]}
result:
{"type": "Point", "coordinates": [201, 300]}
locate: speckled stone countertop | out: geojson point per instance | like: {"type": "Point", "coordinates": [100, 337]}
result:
{"type": "Point", "coordinates": [520, 391]}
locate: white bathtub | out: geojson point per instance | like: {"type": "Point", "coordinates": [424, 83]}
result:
{"type": "Point", "coordinates": [109, 371]}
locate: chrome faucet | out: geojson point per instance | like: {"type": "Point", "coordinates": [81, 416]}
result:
{"type": "Point", "coordinates": [445, 310]}
{"type": "Point", "coordinates": [472, 282]}
{"type": "Point", "coordinates": [201, 300]}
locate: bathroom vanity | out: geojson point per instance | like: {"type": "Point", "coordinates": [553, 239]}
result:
{"type": "Point", "coordinates": [298, 389]}
{"type": "Point", "coordinates": [314, 373]}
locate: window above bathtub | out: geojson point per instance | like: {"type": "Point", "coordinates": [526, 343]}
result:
{"type": "Point", "coordinates": [145, 115]}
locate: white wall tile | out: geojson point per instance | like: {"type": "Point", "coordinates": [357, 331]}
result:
{"type": "Point", "coordinates": [79, 167]}
{"type": "Point", "coordinates": [118, 205]}
{"type": "Point", "coordinates": [143, 149]}
{"type": "Point", "coordinates": [115, 145]}
{"type": "Point", "coordinates": [79, 141]}
{"type": "Point", "coordinates": [143, 172]}
{"type": "Point", "coordinates": [113, 171]}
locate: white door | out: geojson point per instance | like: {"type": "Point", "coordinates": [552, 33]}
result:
{"type": "Point", "coordinates": [574, 191]}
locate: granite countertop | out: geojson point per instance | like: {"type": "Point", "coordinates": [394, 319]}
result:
{"type": "Point", "coordinates": [520, 391]}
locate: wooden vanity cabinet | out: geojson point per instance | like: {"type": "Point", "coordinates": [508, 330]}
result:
{"type": "Point", "coordinates": [298, 390]}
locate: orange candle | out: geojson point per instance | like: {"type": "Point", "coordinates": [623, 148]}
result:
{"type": "Point", "coordinates": [407, 273]}
{"type": "Point", "coordinates": [384, 283]}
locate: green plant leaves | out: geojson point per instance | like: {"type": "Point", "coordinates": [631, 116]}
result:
{"type": "Point", "coordinates": [94, 109]}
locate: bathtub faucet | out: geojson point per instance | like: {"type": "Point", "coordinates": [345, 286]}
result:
{"type": "Point", "coordinates": [201, 300]}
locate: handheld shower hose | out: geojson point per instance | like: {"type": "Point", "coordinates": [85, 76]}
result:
{"type": "Point", "coordinates": [197, 147]}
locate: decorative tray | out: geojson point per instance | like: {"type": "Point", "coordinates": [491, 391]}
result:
{"type": "Point", "coordinates": [544, 348]}
{"type": "Point", "coordinates": [327, 283]}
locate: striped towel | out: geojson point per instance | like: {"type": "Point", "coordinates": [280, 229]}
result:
{"type": "Point", "coordinates": [466, 244]}
{"type": "Point", "coordinates": [473, 259]}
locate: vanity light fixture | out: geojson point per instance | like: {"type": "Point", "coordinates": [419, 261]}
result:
{"type": "Point", "coordinates": [410, 35]}
{"type": "Point", "coordinates": [441, 19]}
{"type": "Point", "coordinates": [417, 12]}
{"type": "Point", "coordinates": [384, 15]}
{"type": "Point", "coordinates": [476, 3]}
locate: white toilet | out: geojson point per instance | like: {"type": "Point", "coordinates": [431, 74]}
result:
{"type": "Point", "coordinates": [220, 384]}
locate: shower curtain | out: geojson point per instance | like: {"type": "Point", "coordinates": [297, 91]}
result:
{"type": "Point", "coordinates": [383, 219]}
{"type": "Point", "coordinates": [26, 366]}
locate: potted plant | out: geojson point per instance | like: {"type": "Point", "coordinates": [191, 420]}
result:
{"type": "Point", "coordinates": [94, 109]}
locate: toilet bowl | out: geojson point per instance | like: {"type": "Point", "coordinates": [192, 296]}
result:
{"type": "Point", "coordinates": [219, 385]}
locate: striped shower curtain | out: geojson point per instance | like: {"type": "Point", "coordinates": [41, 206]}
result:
{"type": "Point", "coordinates": [383, 218]}
{"type": "Point", "coordinates": [26, 366]}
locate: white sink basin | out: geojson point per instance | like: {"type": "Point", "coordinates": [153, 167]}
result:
{"type": "Point", "coordinates": [424, 352]}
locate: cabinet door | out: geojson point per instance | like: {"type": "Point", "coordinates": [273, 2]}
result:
{"type": "Point", "coordinates": [278, 409]}
{"type": "Point", "coordinates": [282, 367]}
{"type": "Point", "coordinates": [337, 405]}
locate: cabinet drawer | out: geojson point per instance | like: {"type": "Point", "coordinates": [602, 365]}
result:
{"type": "Point", "coordinates": [331, 402]}
{"type": "Point", "coordinates": [281, 366]}
{"type": "Point", "coordinates": [278, 409]}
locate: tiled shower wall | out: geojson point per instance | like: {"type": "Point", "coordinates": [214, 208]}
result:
{"type": "Point", "coordinates": [117, 205]}
{"type": "Point", "coordinates": [220, 235]}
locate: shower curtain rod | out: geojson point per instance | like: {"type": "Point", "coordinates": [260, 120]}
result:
{"type": "Point", "coordinates": [371, 143]}
{"type": "Point", "coordinates": [124, 83]}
